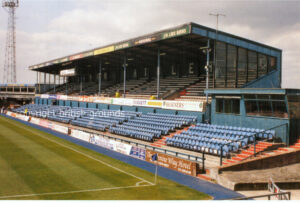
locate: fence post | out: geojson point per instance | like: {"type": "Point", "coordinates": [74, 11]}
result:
{"type": "Point", "coordinates": [287, 132]}
{"type": "Point", "coordinates": [221, 155]}
{"type": "Point", "coordinates": [254, 145]}
{"type": "Point", "coordinates": [203, 162]}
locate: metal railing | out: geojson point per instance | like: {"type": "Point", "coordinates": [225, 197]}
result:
{"type": "Point", "coordinates": [274, 189]}
{"type": "Point", "coordinates": [255, 135]}
{"type": "Point", "coordinates": [279, 196]}
{"type": "Point", "coordinates": [181, 155]}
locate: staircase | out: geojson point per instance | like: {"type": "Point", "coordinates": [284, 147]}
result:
{"type": "Point", "coordinates": [269, 149]}
{"type": "Point", "coordinates": [260, 146]}
{"type": "Point", "coordinates": [162, 142]}
{"type": "Point", "coordinates": [296, 145]}
{"type": "Point", "coordinates": [198, 88]}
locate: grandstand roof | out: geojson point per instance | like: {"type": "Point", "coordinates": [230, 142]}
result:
{"type": "Point", "coordinates": [188, 36]}
{"type": "Point", "coordinates": [226, 91]}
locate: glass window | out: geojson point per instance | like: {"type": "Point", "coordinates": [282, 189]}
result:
{"type": "Point", "coordinates": [262, 65]}
{"type": "Point", "coordinates": [230, 106]}
{"type": "Point", "coordinates": [265, 108]}
{"type": "Point", "coordinates": [231, 65]}
{"type": "Point", "coordinates": [252, 65]}
{"type": "Point", "coordinates": [278, 97]}
{"type": "Point", "coordinates": [227, 106]}
{"type": "Point", "coordinates": [279, 109]}
{"type": "Point", "coordinates": [242, 66]}
{"type": "Point", "coordinates": [272, 65]}
{"type": "Point", "coordinates": [219, 105]}
{"type": "Point", "coordinates": [250, 96]}
{"type": "Point", "coordinates": [266, 105]}
{"type": "Point", "coordinates": [294, 106]}
{"type": "Point", "coordinates": [251, 107]}
{"type": "Point", "coordinates": [220, 64]}
{"type": "Point", "coordinates": [263, 96]}
{"type": "Point", "coordinates": [236, 106]}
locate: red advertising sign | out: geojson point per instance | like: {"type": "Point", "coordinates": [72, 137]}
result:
{"type": "Point", "coordinates": [167, 161]}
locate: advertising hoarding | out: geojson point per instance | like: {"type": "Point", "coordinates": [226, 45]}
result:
{"type": "Point", "coordinates": [177, 164]}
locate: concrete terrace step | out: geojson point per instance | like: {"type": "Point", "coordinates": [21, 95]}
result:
{"type": "Point", "coordinates": [155, 145]}
{"type": "Point", "coordinates": [283, 149]}
{"type": "Point", "coordinates": [204, 177]}
{"type": "Point", "coordinates": [242, 155]}
{"type": "Point", "coordinates": [237, 158]}
{"type": "Point", "coordinates": [247, 152]}
{"type": "Point", "coordinates": [162, 142]}
{"type": "Point", "coordinates": [264, 144]}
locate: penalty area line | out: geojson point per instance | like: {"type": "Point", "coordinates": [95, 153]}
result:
{"type": "Point", "coordinates": [82, 153]}
{"type": "Point", "coordinates": [71, 192]}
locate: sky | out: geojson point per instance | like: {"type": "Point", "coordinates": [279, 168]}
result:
{"type": "Point", "coordinates": [49, 29]}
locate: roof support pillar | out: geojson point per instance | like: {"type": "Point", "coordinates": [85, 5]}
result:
{"type": "Point", "coordinates": [54, 83]}
{"type": "Point", "coordinates": [44, 83]}
{"type": "Point", "coordinates": [40, 82]}
{"type": "Point", "coordinates": [49, 81]}
{"type": "Point", "coordinates": [66, 81]}
{"type": "Point", "coordinates": [158, 72]}
{"type": "Point", "coordinates": [80, 84]}
{"type": "Point", "coordinates": [37, 78]}
{"type": "Point", "coordinates": [207, 68]}
{"type": "Point", "coordinates": [124, 67]}
{"type": "Point", "coordinates": [100, 77]}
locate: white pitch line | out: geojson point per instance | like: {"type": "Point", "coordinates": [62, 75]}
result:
{"type": "Point", "coordinates": [71, 192]}
{"type": "Point", "coordinates": [84, 154]}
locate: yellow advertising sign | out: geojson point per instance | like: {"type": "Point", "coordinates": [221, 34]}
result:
{"type": "Point", "coordinates": [104, 50]}
{"type": "Point", "coordinates": [155, 103]}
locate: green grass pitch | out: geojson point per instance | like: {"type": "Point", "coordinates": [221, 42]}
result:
{"type": "Point", "coordinates": [37, 165]}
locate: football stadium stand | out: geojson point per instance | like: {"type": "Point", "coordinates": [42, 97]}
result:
{"type": "Point", "coordinates": [158, 89]}
{"type": "Point", "coordinates": [169, 64]}
{"type": "Point", "coordinates": [211, 139]}
{"type": "Point", "coordinates": [127, 123]}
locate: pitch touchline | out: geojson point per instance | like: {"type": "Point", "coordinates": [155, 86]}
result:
{"type": "Point", "coordinates": [79, 152]}
{"type": "Point", "coordinates": [71, 192]}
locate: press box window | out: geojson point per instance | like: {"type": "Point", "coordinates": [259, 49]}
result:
{"type": "Point", "coordinates": [266, 105]}
{"type": "Point", "coordinates": [229, 106]}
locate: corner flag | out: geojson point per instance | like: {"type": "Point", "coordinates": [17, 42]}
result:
{"type": "Point", "coordinates": [154, 157]}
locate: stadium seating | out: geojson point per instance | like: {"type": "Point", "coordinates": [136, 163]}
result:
{"type": "Point", "coordinates": [210, 138]}
{"type": "Point", "coordinates": [168, 86]}
{"type": "Point", "coordinates": [144, 125]}
{"type": "Point", "coordinates": [213, 139]}
{"type": "Point", "coordinates": [195, 92]}
{"type": "Point", "coordinates": [137, 125]}
{"type": "Point", "coordinates": [142, 88]}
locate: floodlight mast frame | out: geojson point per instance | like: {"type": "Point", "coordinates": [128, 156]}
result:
{"type": "Point", "coordinates": [9, 70]}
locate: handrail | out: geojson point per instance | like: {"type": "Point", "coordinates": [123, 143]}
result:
{"type": "Point", "coordinates": [154, 148]}
{"type": "Point", "coordinates": [280, 194]}
{"type": "Point", "coordinates": [256, 153]}
{"type": "Point", "coordinates": [255, 139]}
